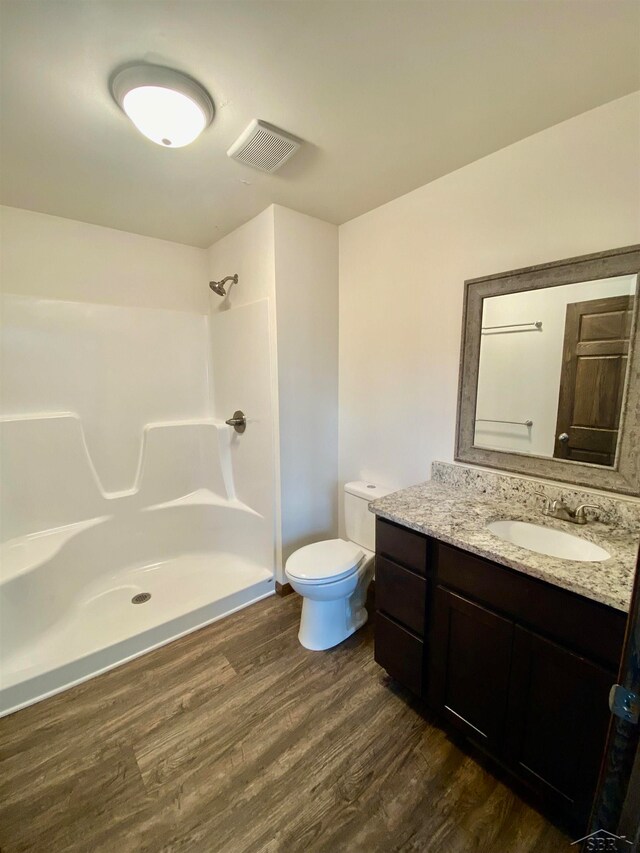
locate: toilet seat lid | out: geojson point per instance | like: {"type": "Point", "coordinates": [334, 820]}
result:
{"type": "Point", "coordinates": [325, 561]}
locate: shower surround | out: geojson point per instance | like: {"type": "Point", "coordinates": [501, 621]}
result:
{"type": "Point", "coordinates": [121, 483]}
{"type": "Point", "coordinates": [131, 513]}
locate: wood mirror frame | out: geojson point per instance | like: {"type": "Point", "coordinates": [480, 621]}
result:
{"type": "Point", "coordinates": [624, 475]}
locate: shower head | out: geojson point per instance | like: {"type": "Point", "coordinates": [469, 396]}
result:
{"type": "Point", "coordinates": [218, 286]}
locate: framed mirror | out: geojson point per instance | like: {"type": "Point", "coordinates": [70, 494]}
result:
{"type": "Point", "coordinates": [550, 371]}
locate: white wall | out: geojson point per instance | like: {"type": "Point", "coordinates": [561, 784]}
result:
{"type": "Point", "coordinates": [306, 265]}
{"type": "Point", "coordinates": [520, 371]}
{"type": "Point", "coordinates": [63, 259]}
{"type": "Point", "coordinates": [108, 325]}
{"type": "Point", "coordinates": [567, 191]}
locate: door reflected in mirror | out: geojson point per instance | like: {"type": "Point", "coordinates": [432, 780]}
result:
{"type": "Point", "coordinates": [553, 370]}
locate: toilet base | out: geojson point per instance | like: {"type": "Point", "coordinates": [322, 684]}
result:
{"type": "Point", "coordinates": [325, 624]}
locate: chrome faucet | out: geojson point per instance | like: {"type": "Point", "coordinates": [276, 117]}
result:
{"type": "Point", "coordinates": [558, 509]}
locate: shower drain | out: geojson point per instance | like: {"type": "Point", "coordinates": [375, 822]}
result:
{"type": "Point", "coordinates": [141, 598]}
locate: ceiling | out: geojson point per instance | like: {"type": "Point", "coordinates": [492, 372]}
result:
{"type": "Point", "coordinates": [387, 95]}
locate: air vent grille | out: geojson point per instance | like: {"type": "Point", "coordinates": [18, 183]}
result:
{"type": "Point", "coordinates": [263, 146]}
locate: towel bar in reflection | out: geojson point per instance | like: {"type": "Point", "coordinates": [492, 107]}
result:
{"type": "Point", "coordinates": [528, 423]}
{"type": "Point", "coordinates": [535, 326]}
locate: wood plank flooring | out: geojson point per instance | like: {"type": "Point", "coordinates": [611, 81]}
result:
{"type": "Point", "coordinates": [237, 739]}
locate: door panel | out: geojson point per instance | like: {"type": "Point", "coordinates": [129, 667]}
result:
{"type": "Point", "coordinates": [617, 804]}
{"type": "Point", "coordinates": [594, 368]}
{"type": "Point", "coordinates": [597, 382]}
{"type": "Point", "coordinates": [610, 325]}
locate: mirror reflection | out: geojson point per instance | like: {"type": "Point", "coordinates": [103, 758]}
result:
{"type": "Point", "coordinates": [553, 369]}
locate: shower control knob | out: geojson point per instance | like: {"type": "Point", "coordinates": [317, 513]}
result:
{"type": "Point", "coordinates": [238, 421]}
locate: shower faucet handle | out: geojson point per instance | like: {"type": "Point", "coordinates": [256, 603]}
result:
{"type": "Point", "coordinates": [238, 421]}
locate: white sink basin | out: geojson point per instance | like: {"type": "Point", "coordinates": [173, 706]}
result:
{"type": "Point", "coordinates": [546, 540]}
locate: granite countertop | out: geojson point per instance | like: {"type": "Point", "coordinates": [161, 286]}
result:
{"type": "Point", "coordinates": [460, 516]}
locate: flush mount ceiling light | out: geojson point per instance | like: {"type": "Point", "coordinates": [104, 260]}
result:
{"type": "Point", "coordinates": [166, 106]}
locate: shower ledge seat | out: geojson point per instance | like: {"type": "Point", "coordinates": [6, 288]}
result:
{"type": "Point", "coordinates": [28, 552]}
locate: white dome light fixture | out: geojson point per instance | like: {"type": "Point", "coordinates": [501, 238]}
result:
{"type": "Point", "coordinates": [169, 108]}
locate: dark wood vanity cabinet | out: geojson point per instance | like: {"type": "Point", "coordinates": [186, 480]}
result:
{"type": "Point", "coordinates": [520, 667]}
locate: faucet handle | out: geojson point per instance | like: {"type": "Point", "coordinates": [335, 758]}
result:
{"type": "Point", "coordinates": [580, 514]}
{"type": "Point", "coordinates": [547, 501]}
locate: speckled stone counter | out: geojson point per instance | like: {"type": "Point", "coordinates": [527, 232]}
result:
{"type": "Point", "coordinates": [459, 516]}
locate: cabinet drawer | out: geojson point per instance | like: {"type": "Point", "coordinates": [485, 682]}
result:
{"type": "Point", "coordinates": [586, 626]}
{"type": "Point", "coordinates": [403, 546]}
{"type": "Point", "coordinates": [399, 652]}
{"type": "Point", "coordinates": [401, 594]}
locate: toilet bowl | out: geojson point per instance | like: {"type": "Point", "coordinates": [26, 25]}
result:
{"type": "Point", "coordinates": [333, 576]}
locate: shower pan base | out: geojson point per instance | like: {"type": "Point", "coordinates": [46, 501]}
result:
{"type": "Point", "coordinates": [105, 628]}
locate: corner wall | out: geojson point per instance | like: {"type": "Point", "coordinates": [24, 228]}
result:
{"type": "Point", "coordinates": [570, 190]}
{"type": "Point", "coordinates": [306, 263]}
{"type": "Point", "coordinates": [275, 356]}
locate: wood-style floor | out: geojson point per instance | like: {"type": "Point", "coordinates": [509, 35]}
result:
{"type": "Point", "coordinates": [237, 739]}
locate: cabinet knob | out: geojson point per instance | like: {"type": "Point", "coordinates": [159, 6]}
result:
{"type": "Point", "coordinates": [563, 437]}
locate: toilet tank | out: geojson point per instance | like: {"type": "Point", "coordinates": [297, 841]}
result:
{"type": "Point", "coordinates": [360, 524]}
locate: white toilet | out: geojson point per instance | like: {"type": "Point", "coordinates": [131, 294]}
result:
{"type": "Point", "coordinates": [333, 576]}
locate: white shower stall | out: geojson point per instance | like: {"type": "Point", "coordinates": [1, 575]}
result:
{"type": "Point", "coordinates": [130, 512]}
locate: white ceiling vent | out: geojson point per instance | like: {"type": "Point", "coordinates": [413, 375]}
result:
{"type": "Point", "coordinates": [263, 146]}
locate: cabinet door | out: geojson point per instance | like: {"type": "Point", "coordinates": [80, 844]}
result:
{"type": "Point", "coordinates": [470, 658]}
{"type": "Point", "coordinates": [557, 720]}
